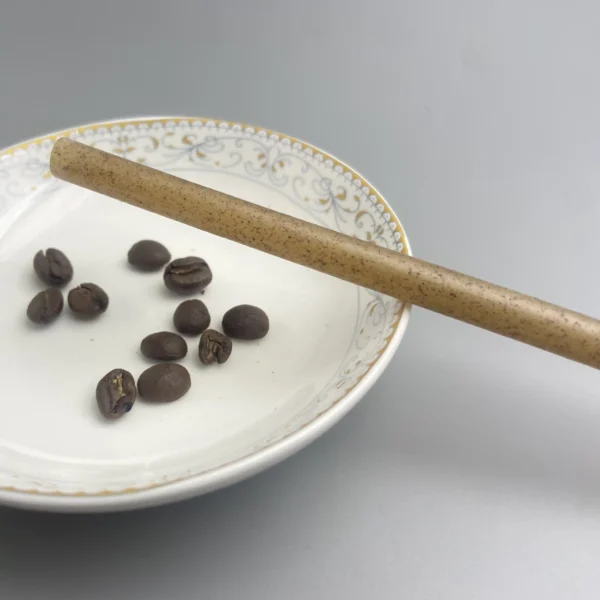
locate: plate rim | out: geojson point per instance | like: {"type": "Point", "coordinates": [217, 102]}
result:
{"type": "Point", "coordinates": [246, 466]}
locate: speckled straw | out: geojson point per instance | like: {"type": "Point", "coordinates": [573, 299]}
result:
{"type": "Point", "coordinates": [471, 300]}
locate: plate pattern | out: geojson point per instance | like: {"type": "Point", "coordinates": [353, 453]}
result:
{"type": "Point", "coordinates": [329, 192]}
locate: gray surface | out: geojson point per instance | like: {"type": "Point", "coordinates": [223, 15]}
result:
{"type": "Point", "coordinates": [472, 468]}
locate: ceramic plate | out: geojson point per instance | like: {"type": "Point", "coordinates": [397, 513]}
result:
{"type": "Point", "coordinates": [329, 340]}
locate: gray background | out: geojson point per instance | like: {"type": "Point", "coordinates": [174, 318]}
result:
{"type": "Point", "coordinates": [472, 470]}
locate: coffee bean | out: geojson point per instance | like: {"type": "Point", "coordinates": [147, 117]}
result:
{"type": "Point", "coordinates": [53, 267]}
{"type": "Point", "coordinates": [164, 383]}
{"type": "Point", "coordinates": [116, 393]}
{"type": "Point", "coordinates": [164, 345]}
{"type": "Point", "coordinates": [246, 322]}
{"type": "Point", "coordinates": [191, 317]}
{"type": "Point", "coordinates": [214, 347]}
{"type": "Point", "coordinates": [148, 255]}
{"type": "Point", "coordinates": [187, 275]}
{"type": "Point", "coordinates": [88, 299]}
{"type": "Point", "coordinates": [45, 306]}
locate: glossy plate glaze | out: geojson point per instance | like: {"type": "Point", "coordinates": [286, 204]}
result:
{"type": "Point", "coordinates": [329, 340]}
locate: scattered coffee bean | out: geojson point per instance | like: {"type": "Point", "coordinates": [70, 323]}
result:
{"type": "Point", "coordinates": [116, 393]}
{"type": "Point", "coordinates": [164, 383]}
{"type": "Point", "coordinates": [148, 255]}
{"type": "Point", "coordinates": [214, 347]}
{"type": "Point", "coordinates": [187, 275]}
{"type": "Point", "coordinates": [246, 322]}
{"type": "Point", "coordinates": [53, 267]}
{"type": "Point", "coordinates": [45, 306]}
{"type": "Point", "coordinates": [88, 299]}
{"type": "Point", "coordinates": [191, 317]}
{"type": "Point", "coordinates": [164, 345]}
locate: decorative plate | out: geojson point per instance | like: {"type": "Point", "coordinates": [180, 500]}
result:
{"type": "Point", "coordinates": [328, 343]}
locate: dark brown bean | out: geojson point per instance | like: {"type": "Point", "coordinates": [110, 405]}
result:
{"type": "Point", "coordinates": [116, 393]}
{"type": "Point", "coordinates": [88, 300]}
{"type": "Point", "coordinates": [187, 275]}
{"type": "Point", "coordinates": [214, 347]}
{"type": "Point", "coordinates": [191, 317]}
{"type": "Point", "coordinates": [246, 322]}
{"type": "Point", "coordinates": [148, 255]}
{"type": "Point", "coordinates": [45, 306]}
{"type": "Point", "coordinates": [165, 382]}
{"type": "Point", "coordinates": [164, 345]}
{"type": "Point", "coordinates": [53, 267]}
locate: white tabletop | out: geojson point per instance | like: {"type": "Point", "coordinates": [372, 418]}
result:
{"type": "Point", "coordinates": [472, 469]}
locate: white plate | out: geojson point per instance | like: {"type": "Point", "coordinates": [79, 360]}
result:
{"type": "Point", "coordinates": [329, 340]}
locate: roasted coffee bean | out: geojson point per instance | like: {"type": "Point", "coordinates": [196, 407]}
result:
{"type": "Point", "coordinates": [164, 345]}
{"type": "Point", "coordinates": [187, 275]}
{"type": "Point", "coordinates": [246, 322]}
{"type": "Point", "coordinates": [164, 383]}
{"type": "Point", "coordinates": [214, 347]}
{"type": "Point", "coordinates": [53, 267]}
{"type": "Point", "coordinates": [116, 393]}
{"type": "Point", "coordinates": [148, 255]}
{"type": "Point", "coordinates": [45, 306]}
{"type": "Point", "coordinates": [191, 317]}
{"type": "Point", "coordinates": [88, 299]}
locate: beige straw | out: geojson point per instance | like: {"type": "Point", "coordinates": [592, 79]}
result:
{"type": "Point", "coordinates": [471, 300]}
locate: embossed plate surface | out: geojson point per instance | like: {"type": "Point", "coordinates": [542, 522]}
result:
{"type": "Point", "coordinates": [329, 340]}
